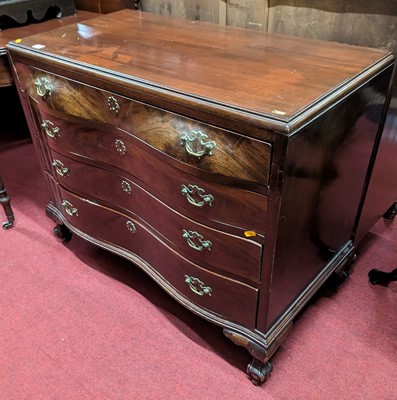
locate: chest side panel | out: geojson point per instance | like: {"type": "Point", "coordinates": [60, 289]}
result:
{"type": "Point", "coordinates": [327, 167]}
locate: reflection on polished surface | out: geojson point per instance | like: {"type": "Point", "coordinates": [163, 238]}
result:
{"type": "Point", "coordinates": [329, 171]}
{"type": "Point", "coordinates": [382, 189]}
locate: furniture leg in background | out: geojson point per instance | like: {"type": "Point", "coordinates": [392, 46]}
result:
{"type": "Point", "coordinates": [391, 212]}
{"type": "Point", "coordinates": [377, 277]}
{"type": "Point", "coordinates": [5, 202]}
{"type": "Point", "coordinates": [15, 14]}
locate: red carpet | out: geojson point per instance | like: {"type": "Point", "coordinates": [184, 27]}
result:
{"type": "Point", "coordinates": [79, 323]}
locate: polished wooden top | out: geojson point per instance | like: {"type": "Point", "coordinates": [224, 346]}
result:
{"type": "Point", "coordinates": [34, 28]}
{"type": "Point", "coordinates": [263, 74]}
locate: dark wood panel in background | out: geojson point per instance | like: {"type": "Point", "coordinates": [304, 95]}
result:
{"type": "Point", "coordinates": [198, 10]}
{"type": "Point", "coordinates": [371, 23]}
{"type": "Point", "coordinates": [104, 6]}
{"type": "Point", "coordinates": [251, 14]}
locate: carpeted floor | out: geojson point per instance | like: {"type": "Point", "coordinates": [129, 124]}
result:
{"type": "Point", "coordinates": [79, 323]}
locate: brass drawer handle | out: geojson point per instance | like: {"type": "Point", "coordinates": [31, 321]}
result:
{"type": "Point", "coordinates": [195, 145]}
{"type": "Point", "coordinates": [120, 147]}
{"type": "Point", "coordinates": [43, 87]}
{"type": "Point", "coordinates": [72, 211]}
{"type": "Point", "coordinates": [131, 226]}
{"type": "Point", "coordinates": [190, 190]}
{"type": "Point", "coordinates": [197, 286]}
{"type": "Point", "coordinates": [126, 187]}
{"type": "Point", "coordinates": [113, 105]}
{"type": "Point", "coordinates": [50, 129]}
{"type": "Point", "coordinates": [60, 168]}
{"type": "Point", "coordinates": [192, 236]}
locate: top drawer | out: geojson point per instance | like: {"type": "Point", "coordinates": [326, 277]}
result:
{"type": "Point", "coordinates": [196, 144]}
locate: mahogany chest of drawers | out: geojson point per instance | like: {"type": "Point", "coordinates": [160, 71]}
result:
{"type": "Point", "coordinates": [228, 164]}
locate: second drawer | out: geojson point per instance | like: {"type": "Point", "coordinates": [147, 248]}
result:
{"type": "Point", "coordinates": [207, 246]}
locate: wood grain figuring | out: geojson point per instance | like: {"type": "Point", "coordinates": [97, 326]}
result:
{"type": "Point", "coordinates": [282, 75]}
{"type": "Point", "coordinates": [240, 208]}
{"type": "Point", "coordinates": [231, 206]}
{"type": "Point", "coordinates": [226, 250]}
{"type": "Point", "coordinates": [234, 155]}
{"type": "Point", "coordinates": [111, 226]}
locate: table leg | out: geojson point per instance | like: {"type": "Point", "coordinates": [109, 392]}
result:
{"type": "Point", "coordinates": [5, 202]}
{"type": "Point", "coordinates": [377, 277]}
{"type": "Point", "coordinates": [391, 212]}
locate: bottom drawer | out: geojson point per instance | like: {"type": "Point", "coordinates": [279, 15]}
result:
{"type": "Point", "coordinates": [233, 300]}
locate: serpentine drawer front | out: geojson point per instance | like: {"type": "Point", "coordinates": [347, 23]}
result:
{"type": "Point", "coordinates": [198, 242]}
{"type": "Point", "coordinates": [188, 141]}
{"type": "Point", "coordinates": [211, 200]}
{"type": "Point", "coordinates": [221, 161]}
{"type": "Point", "coordinates": [126, 232]}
